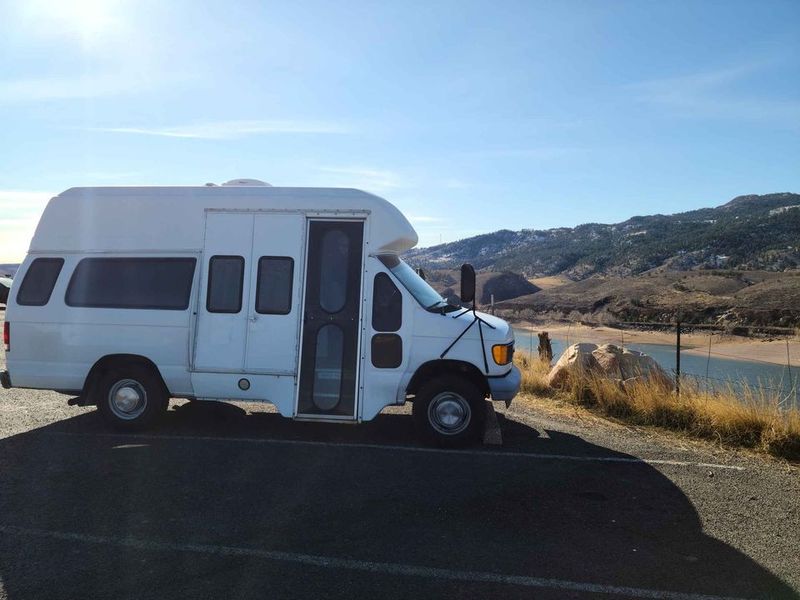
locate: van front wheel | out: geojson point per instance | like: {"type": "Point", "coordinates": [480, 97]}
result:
{"type": "Point", "coordinates": [130, 398]}
{"type": "Point", "coordinates": [449, 411]}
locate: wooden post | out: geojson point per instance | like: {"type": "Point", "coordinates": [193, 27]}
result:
{"type": "Point", "coordinates": [678, 358]}
{"type": "Point", "coordinates": [545, 347]}
{"type": "Point", "coordinates": [792, 382]}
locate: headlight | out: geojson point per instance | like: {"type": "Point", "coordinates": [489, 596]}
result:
{"type": "Point", "coordinates": [503, 353]}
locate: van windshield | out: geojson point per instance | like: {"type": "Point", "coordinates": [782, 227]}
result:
{"type": "Point", "coordinates": [416, 285]}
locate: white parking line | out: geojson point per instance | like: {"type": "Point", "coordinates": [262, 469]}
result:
{"type": "Point", "coordinates": [481, 453]}
{"type": "Point", "coordinates": [384, 568]}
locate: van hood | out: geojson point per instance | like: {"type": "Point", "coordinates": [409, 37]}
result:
{"type": "Point", "coordinates": [501, 332]}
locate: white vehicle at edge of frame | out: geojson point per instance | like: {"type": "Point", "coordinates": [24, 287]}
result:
{"type": "Point", "coordinates": [129, 296]}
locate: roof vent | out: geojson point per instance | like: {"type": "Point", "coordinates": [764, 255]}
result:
{"type": "Point", "coordinates": [247, 183]}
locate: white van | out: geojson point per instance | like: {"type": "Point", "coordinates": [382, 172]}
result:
{"type": "Point", "coordinates": [295, 296]}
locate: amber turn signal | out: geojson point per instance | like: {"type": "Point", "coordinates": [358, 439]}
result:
{"type": "Point", "coordinates": [502, 353]}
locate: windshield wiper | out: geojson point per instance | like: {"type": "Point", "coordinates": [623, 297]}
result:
{"type": "Point", "coordinates": [441, 305]}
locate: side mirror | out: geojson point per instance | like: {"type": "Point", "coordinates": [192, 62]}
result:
{"type": "Point", "coordinates": [467, 284]}
{"type": "Point", "coordinates": [421, 273]}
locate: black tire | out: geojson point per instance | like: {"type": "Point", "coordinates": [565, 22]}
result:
{"type": "Point", "coordinates": [135, 388]}
{"type": "Point", "coordinates": [449, 411]}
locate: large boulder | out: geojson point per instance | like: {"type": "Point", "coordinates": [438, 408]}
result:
{"type": "Point", "coordinates": [620, 364]}
{"type": "Point", "coordinates": [578, 358]}
{"type": "Point", "coordinates": [609, 357]}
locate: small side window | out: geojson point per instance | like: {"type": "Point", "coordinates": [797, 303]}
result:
{"type": "Point", "coordinates": [387, 350]}
{"type": "Point", "coordinates": [39, 281]}
{"type": "Point", "coordinates": [274, 285]}
{"type": "Point", "coordinates": [225, 282]}
{"type": "Point", "coordinates": [387, 304]}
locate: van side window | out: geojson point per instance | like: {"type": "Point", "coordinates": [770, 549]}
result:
{"type": "Point", "coordinates": [39, 281]}
{"type": "Point", "coordinates": [387, 304]}
{"type": "Point", "coordinates": [135, 283]}
{"type": "Point", "coordinates": [387, 350]}
{"type": "Point", "coordinates": [225, 282]}
{"type": "Point", "coordinates": [274, 285]}
{"type": "Point", "coordinates": [334, 270]}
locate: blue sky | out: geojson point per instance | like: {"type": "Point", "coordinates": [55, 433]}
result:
{"type": "Point", "coordinates": [469, 116]}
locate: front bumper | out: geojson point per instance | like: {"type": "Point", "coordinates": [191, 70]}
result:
{"type": "Point", "coordinates": [5, 379]}
{"type": "Point", "coordinates": [506, 386]}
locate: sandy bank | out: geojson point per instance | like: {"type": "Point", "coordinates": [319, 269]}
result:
{"type": "Point", "coordinates": [722, 345]}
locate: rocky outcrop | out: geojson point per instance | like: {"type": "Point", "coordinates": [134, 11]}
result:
{"type": "Point", "coordinates": [620, 364]}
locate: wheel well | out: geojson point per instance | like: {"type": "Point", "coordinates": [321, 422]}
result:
{"type": "Point", "coordinates": [435, 368]}
{"type": "Point", "coordinates": [105, 364]}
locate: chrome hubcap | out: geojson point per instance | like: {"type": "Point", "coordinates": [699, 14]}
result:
{"type": "Point", "coordinates": [449, 413]}
{"type": "Point", "coordinates": [127, 399]}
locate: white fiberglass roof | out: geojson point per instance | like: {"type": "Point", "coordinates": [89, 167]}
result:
{"type": "Point", "coordinates": [123, 219]}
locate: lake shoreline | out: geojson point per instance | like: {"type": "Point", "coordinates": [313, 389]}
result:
{"type": "Point", "coordinates": [772, 350]}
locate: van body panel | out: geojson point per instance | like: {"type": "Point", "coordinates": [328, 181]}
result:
{"type": "Point", "coordinates": [63, 354]}
{"type": "Point", "coordinates": [55, 345]}
{"type": "Point", "coordinates": [277, 390]}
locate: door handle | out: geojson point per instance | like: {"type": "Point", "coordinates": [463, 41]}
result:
{"type": "Point", "coordinates": [253, 318]}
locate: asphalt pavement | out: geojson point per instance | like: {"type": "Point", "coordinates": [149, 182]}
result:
{"type": "Point", "coordinates": [231, 500]}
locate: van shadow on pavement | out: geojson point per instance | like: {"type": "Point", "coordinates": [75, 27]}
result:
{"type": "Point", "coordinates": [615, 524]}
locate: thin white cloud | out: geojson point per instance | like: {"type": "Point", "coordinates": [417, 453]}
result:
{"type": "Point", "coordinates": [455, 184]}
{"type": "Point", "coordinates": [223, 130]}
{"type": "Point", "coordinates": [19, 213]}
{"type": "Point", "coordinates": [717, 93]}
{"type": "Point", "coordinates": [20, 202]}
{"type": "Point", "coordinates": [112, 175]}
{"type": "Point", "coordinates": [533, 153]}
{"type": "Point", "coordinates": [63, 88]}
{"type": "Point", "coordinates": [424, 219]}
{"type": "Point", "coordinates": [364, 178]}
{"type": "Point", "coordinates": [701, 80]}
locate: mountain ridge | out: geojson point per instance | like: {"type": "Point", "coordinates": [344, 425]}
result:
{"type": "Point", "coordinates": [746, 233]}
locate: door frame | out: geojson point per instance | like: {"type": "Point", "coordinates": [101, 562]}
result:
{"type": "Point", "coordinates": [341, 217]}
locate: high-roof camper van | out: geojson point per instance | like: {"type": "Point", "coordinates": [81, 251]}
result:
{"type": "Point", "coordinates": [130, 296]}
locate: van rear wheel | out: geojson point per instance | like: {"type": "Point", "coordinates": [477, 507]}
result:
{"type": "Point", "coordinates": [449, 411]}
{"type": "Point", "coordinates": [130, 398]}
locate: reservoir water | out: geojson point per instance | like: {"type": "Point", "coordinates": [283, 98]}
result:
{"type": "Point", "coordinates": [715, 373]}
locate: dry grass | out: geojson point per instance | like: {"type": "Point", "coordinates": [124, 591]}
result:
{"type": "Point", "coordinates": [747, 417]}
{"type": "Point", "coordinates": [552, 281]}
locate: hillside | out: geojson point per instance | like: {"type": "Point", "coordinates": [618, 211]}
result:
{"type": "Point", "coordinates": [503, 285]}
{"type": "Point", "coordinates": [725, 297]}
{"type": "Point", "coordinates": [8, 269]}
{"type": "Point", "coordinates": [748, 233]}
